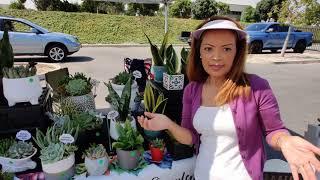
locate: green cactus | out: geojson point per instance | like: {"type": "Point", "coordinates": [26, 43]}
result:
{"type": "Point", "coordinates": [96, 152]}
{"type": "Point", "coordinates": [76, 87]}
{"type": "Point", "coordinates": [19, 71]}
{"type": "Point", "coordinates": [6, 52]}
{"type": "Point", "coordinates": [53, 153]}
{"type": "Point", "coordinates": [20, 150]}
{"type": "Point", "coordinates": [157, 143]}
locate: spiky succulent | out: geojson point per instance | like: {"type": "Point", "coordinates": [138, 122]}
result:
{"type": "Point", "coordinates": [53, 153]}
{"type": "Point", "coordinates": [20, 150]}
{"type": "Point", "coordinates": [157, 143]}
{"type": "Point", "coordinates": [121, 78]}
{"type": "Point", "coordinates": [76, 87]}
{"type": "Point", "coordinates": [96, 152]}
{"type": "Point", "coordinates": [5, 145]}
{"type": "Point", "coordinates": [19, 71]}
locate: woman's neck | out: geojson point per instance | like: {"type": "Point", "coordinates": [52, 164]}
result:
{"type": "Point", "coordinates": [215, 81]}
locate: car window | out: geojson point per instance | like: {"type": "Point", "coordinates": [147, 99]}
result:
{"type": "Point", "coordinates": [256, 27]}
{"type": "Point", "coordinates": [284, 28]}
{"type": "Point", "coordinates": [275, 27]}
{"type": "Point", "coordinates": [16, 26]}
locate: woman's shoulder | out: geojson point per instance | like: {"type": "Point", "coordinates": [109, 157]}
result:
{"type": "Point", "coordinates": [257, 82]}
{"type": "Point", "coordinates": [192, 87]}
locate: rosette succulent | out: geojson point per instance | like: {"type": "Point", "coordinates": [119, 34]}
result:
{"type": "Point", "coordinates": [53, 153]}
{"type": "Point", "coordinates": [96, 152]}
{"type": "Point", "coordinates": [76, 87]}
{"type": "Point", "coordinates": [20, 150]}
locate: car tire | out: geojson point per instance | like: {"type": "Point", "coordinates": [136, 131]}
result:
{"type": "Point", "coordinates": [300, 46]}
{"type": "Point", "coordinates": [56, 53]}
{"type": "Point", "coordinates": [255, 47]}
{"type": "Point", "coordinates": [274, 50]}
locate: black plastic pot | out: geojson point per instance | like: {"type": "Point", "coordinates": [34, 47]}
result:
{"type": "Point", "coordinates": [177, 150]}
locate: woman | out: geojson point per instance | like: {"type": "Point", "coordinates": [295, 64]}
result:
{"type": "Point", "coordinates": [230, 111]}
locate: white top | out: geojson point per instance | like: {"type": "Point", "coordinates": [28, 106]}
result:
{"type": "Point", "coordinates": [219, 155]}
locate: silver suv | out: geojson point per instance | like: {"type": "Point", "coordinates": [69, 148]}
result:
{"type": "Point", "coordinates": [28, 38]}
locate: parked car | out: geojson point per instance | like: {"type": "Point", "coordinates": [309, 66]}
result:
{"type": "Point", "coordinates": [28, 38]}
{"type": "Point", "coordinates": [272, 35]}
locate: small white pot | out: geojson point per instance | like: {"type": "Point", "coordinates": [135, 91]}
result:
{"type": "Point", "coordinates": [18, 165]}
{"type": "Point", "coordinates": [61, 168]}
{"type": "Point", "coordinates": [173, 82]}
{"type": "Point", "coordinates": [134, 91]}
{"type": "Point", "coordinates": [113, 130]}
{"type": "Point", "coordinates": [83, 103]}
{"type": "Point", "coordinates": [96, 167]}
{"type": "Point", "coordinates": [22, 90]}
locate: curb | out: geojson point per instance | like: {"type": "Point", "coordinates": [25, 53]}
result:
{"type": "Point", "coordinates": [124, 45]}
{"type": "Point", "coordinates": [297, 62]}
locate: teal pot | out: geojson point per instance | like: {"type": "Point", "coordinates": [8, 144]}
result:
{"type": "Point", "coordinates": [158, 73]}
{"type": "Point", "coordinates": [128, 159]}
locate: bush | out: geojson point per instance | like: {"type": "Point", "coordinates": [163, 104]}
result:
{"type": "Point", "coordinates": [142, 9]}
{"type": "Point", "coordinates": [249, 15]}
{"type": "Point", "coordinates": [16, 5]}
{"type": "Point", "coordinates": [181, 9]}
{"type": "Point", "coordinates": [203, 9]}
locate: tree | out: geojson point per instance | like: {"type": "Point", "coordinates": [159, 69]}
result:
{"type": "Point", "coordinates": [202, 9]}
{"type": "Point", "coordinates": [47, 5]}
{"type": "Point", "coordinates": [223, 8]}
{"type": "Point", "coordinates": [142, 9]}
{"type": "Point", "coordinates": [304, 12]}
{"type": "Point", "coordinates": [89, 6]}
{"type": "Point", "coordinates": [69, 7]}
{"type": "Point", "coordinates": [249, 15]}
{"type": "Point", "coordinates": [181, 9]}
{"type": "Point", "coordinates": [102, 7]}
{"type": "Point", "coordinates": [269, 9]}
{"type": "Point", "coordinates": [17, 4]}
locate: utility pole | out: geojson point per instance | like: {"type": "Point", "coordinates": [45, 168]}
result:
{"type": "Point", "coordinates": [285, 44]}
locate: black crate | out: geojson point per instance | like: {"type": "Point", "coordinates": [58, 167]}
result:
{"type": "Point", "coordinates": [26, 116]}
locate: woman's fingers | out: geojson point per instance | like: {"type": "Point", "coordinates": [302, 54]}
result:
{"type": "Point", "coordinates": [149, 115]}
{"type": "Point", "coordinates": [303, 173]}
{"type": "Point", "coordinates": [294, 172]}
{"type": "Point", "coordinates": [315, 163]}
{"type": "Point", "coordinates": [313, 148]}
{"type": "Point", "coordinates": [310, 172]}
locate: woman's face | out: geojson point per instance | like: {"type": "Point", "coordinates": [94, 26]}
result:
{"type": "Point", "coordinates": [217, 52]}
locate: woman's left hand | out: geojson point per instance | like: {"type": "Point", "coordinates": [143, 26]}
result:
{"type": "Point", "coordinates": [301, 156]}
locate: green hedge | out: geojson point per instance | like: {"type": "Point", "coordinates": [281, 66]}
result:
{"type": "Point", "coordinates": [106, 29]}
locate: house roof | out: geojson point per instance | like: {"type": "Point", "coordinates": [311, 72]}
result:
{"type": "Point", "coordinates": [252, 3]}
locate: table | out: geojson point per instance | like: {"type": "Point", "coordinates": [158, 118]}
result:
{"type": "Point", "coordinates": [181, 169]}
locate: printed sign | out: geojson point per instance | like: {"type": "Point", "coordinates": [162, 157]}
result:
{"type": "Point", "coordinates": [137, 74]}
{"type": "Point", "coordinates": [113, 114]}
{"type": "Point", "coordinates": [66, 139]}
{"type": "Point", "coordinates": [23, 135]}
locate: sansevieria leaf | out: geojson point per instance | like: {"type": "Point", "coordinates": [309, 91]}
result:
{"type": "Point", "coordinates": [157, 59]}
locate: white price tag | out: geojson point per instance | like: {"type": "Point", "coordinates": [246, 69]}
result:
{"type": "Point", "coordinates": [23, 135]}
{"type": "Point", "coordinates": [113, 114]}
{"type": "Point", "coordinates": [66, 139]}
{"type": "Point", "coordinates": [137, 74]}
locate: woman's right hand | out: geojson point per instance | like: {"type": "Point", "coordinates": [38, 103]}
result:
{"type": "Point", "coordinates": [156, 122]}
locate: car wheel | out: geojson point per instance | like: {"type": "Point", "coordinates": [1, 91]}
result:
{"type": "Point", "coordinates": [56, 53]}
{"type": "Point", "coordinates": [274, 50]}
{"type": "Point", "coordinates": [255, 47]}
{"type": "Point", "coordinates": [300, 47]}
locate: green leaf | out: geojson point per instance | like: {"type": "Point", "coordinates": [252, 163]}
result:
{"type": "Point", "coordinates": [164, 44]}
{"type": "Point", "coordinates": [157, 59]}
{"type": "Point", "coordinates": [115, 99]}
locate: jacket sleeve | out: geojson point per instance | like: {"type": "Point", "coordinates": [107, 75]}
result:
{"type": "Point", "coordinates": [186, 121]}
{"type": "Point", "coordinates": [268, 110]}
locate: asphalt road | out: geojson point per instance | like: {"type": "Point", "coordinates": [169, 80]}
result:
{"type": "Point", "coordinates": [296, 86]}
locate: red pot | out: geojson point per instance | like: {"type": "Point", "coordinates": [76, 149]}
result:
{"type": "Point", "coordinates": [156, 154]}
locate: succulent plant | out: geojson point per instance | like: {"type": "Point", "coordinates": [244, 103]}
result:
{"type": "Point", "coordinates": [5, 145]}
{"type": "Point", "coordinates": [157, 143]}
{"type": "Point", "coordinates": [86, 120]}
{"type": "Point", "coordinates": [96, 152]}
{"type": "Point", "coordinates": [76, 87]}
{"type": "Point", "coordinates": [172, 62]}
{"type": "Point", "coordinates": [20, 150]}
{"type": "Point", "coordinates": [121, 78]}
{"type": "Point", "coordinates": [53, 153]}
{"type": "Point", "coordinates": [121, 104]}
{"type": "Point", "coordinates": [154, 103]}
{"type": "Point", "coordinates": [19, 71]}
{"type": "Point", "coordinates": [129, 138]}
{"type": "Point", "coordinates": [184, 60]}
{"type": "Point", "coordinates": [158, 55]}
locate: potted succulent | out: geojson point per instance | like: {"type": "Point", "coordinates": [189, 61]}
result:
{"type": "Point", "coordinates": [128, 146]}
{"type": "Point", "coordinates": [16, 156]}
{"type": "Point", "coordinates": [57, 157]}
{"type": "Point", "coordinates": [155, 103]}
{"type": "Point", "coordinates": [96, 160]}
{"type": "Point", "coordinates": [157, 150]}
{"type": "Point", "coordinates": [121, 105]}
{"type": "Point", "coordinates": [172, 78]}
{"type": "Point", "coordinates": [184, 61]}
{"type": "Point", "coordinates": [21, 84]}
{"type": "Point", "coordinates": [118, 83]}
{"type": "Point", "coordinates": [158, 56]}
{"type": "Point", "coordinates": [77, 89]}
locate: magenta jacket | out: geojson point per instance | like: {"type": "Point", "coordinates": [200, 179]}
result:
{"type": "Point", "coordinates": [255, 118]}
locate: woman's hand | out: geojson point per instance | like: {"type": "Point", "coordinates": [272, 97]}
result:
{"type": "Point", "coordinates": [156, 122]}
{"type": "Point", "coordinates": [301, 156]}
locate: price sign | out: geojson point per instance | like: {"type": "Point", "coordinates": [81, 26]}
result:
{"type": "Point", "coordinates": [137, 74]}
{"type": "Point", "coordinates": [23, 135]}
{"type": "Point", "coordinates": [113, 115]}
{"type": "Point", "coordinates": [66, 139]}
